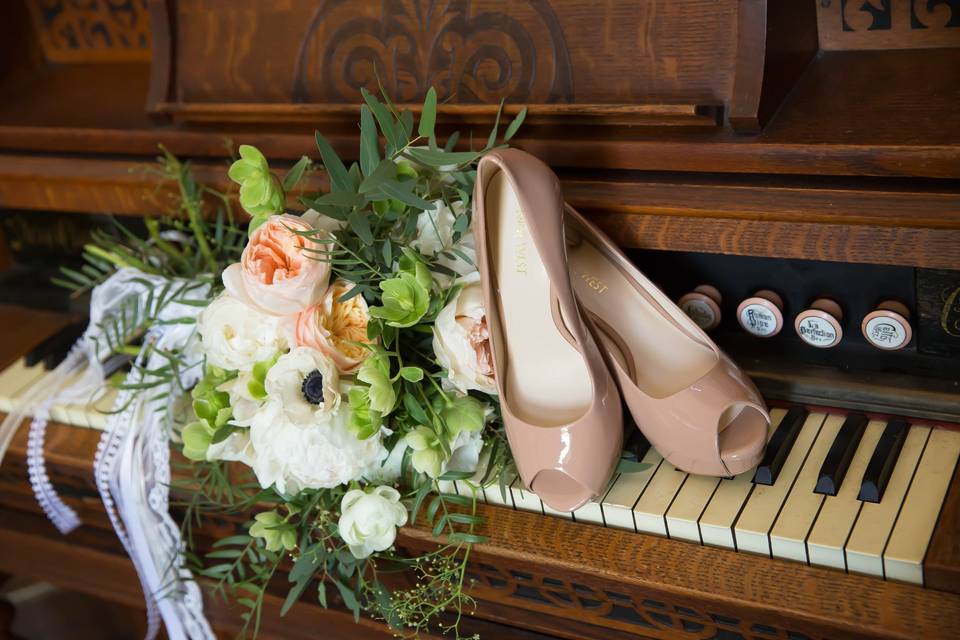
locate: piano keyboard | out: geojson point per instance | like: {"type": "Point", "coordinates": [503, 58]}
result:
{"type": "Point", "coordinates": [821, 471]}
{"type": "Point", "coordinates": [836, 491]}
{"type": "Point", "coordinates": [16, 379]}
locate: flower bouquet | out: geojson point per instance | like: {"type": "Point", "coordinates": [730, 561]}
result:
{"type": "Point", "coordinates": [337, 382]}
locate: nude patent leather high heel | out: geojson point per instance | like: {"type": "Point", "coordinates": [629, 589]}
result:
{"type": "Point", "coordinates": [559, 402]}
{"type": "Point", "coordinates": [689, 399]}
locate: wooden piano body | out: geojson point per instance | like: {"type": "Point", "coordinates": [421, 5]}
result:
{"type": "Point", "coordinates": [811, 147]}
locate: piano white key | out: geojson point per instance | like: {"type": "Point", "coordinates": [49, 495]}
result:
{"type": "Point", "coordinates": [493, 495]}
{"type": "Point", "coordinates": [550, 511]}
{"type": "Point", "coordinates": [839, 512]}
{"type": "Point", "coordinates": [689, 504]}
{"type": "Point", "coordinates": [864, 548]}
{"type": "Point", "coordinates": [592, 511]}
{"type": "Point", "coordinates": [523, 498]}
{"type": "Point", "coordinates": [15, 380]}
{"type": "Point", "coordinates": [903, 557]}
{"type": "Point", "coordinates": [64, 413]}
{"type": "Point", "coordinates": [789, 532]}
{"type": "Point", "coordinates": [446, 486]}
{"type": "Point", "coordinates": [716, 522]}
{"type": "Point", "coordinates": [650, 511]}
{"type": "Point", "coordinates": [755, 521]}
{"type": "Point", "coordinates": [98, 411]}
{"type": "Point", "coordinates": [617, 505]}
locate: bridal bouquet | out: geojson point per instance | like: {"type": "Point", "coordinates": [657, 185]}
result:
{"type": "Point", "coordinates": [346, 374]}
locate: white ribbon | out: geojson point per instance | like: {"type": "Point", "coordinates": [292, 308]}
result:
{"type": "Point", "coordinates": [132, 465]}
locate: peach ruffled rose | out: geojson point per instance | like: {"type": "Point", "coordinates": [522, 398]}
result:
{"type": "Point", "coordinates": [333, 328]}
{"type": "Point", "coordinates": [275, 274]}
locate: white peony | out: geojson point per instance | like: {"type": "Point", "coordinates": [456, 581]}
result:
{"type": "Point", "coordinates": [369, 521]}
{"type": "Point", "coordinates": [235, 336]}
{"type": "Point", "coordinates": [435, 235]}
{"type": "Point", "coordinates": [318, 455]}
{"type": "Point", "coordinates": [461, 339]}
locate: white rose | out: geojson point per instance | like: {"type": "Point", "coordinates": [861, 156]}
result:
{"type": "Point", "coordinates": [321, 453]}
{"type": "Point", "coordinates": [286, 380]}
{"type": "Point", "coordinates": [435, 235]}
{"type": "Point", "coordinates": [235, 336]}
{"type": "Point", "coordinates": [461, 340]}
{"type": "Point", "coordinates": [369, 521]}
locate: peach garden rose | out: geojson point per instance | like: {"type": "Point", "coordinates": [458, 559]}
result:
{"type": "Point", "coordinates": [333, 327]}
{"type": "Point", "coordinates": [275, 274]}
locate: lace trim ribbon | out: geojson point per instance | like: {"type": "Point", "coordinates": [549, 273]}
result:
{"type": "Point", "coordinates": [132, 463]}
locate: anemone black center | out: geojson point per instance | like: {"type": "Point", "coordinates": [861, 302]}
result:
{"type": "Point", "coordinates": [312, 387]}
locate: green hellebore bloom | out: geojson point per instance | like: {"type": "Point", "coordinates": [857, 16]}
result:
{"type": "Point", "coordinates": [405, 301]}
{"type": "Point", "coordinates": [364, 421]}
{"type": "Point", "coordinates": [463, 413]}
{"type": "Point", "coordinates": [261, 192]}
{"type": "Point", "coordinates": [274, 530]}
{"type": "Point", "coordinates": [375, 371]}
{"type": "Point", "coordinates": [411, 262]}
{"type": "Point", "coordinates": [197, 437]}
{"type": "Point", "coordinates": [428, 456]}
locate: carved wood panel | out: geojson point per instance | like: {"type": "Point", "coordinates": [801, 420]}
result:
{"type": "Point", "coordinates": [888, 24]}
{"type": "Point", "coordinates": [92, 30]}
{"type": "Point", "coordinates": [614, 610]}
{"type": "Point", "coordinates": [545, 53]}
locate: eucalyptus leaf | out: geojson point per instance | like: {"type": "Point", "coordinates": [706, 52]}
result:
{"type": "Point", "coordinates": [433, 158]}
{"type": "Point", "coordinates": [428, 117]}
{"type": "Point", "coordinates": [296, 172]}
{"type": "Point", "coordinates": [515, 125]}
{"type": "Point", "coordinates": [385, 120]}
{"type": "Point", "coordinates": [369, 147]}
{"type": "Point", "coordinates": [339, 178]}
{"type": "Point", "coordinates": [385, 170]}
{"type": "Point", "coordinates": [401, 192]}
{"type": "Point", "coordinates": [492, 138]}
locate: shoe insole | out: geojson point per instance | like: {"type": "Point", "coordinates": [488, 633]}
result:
{"type": "Point", "coordinates": [665, 358]}
{"type": "Point", "coordinates": [546, 379]}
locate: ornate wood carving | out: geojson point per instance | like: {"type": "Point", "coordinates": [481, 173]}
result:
{"type": "Point", "coordinates": [888, 24]}
{"type": "Point", "coordinates": [92, 31]}
{"type": "Point", "coordinates": [472, 52]}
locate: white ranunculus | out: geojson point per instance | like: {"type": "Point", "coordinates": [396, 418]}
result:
{"type": "Point", "coordinates": [369, 520]}
{"type": "Point", "coordinates": [235, 336]}
{"type": "Point", "coordinates": [284, 385]}
{"type": "Point", "coordinates": [461, 340]}
{"type": "Point", "coordinates": [435, 235]}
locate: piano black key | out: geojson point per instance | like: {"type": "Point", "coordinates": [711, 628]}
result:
{"type": "Point", "coordinates": [779, 446]}
{"type": "Point", "coordinates": [636, 446]}
{"type": "Point", "coordinates": [837, 462]}
{"type": "Point", "coordinates": [883, 461]}
{"type": "Point", "coordinates": [54, 349]}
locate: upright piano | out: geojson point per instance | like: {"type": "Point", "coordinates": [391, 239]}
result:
{"type": "Point", "coordinates": [799, 159]}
